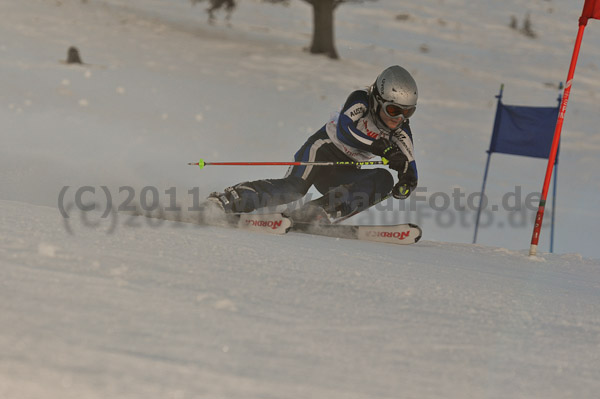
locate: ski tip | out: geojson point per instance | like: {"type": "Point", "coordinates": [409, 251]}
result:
{"type": "Point", "coordinates": [414, 226]}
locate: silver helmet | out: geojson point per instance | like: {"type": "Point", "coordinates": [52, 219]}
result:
{"type": "Point", "coordinates": [394, 92]}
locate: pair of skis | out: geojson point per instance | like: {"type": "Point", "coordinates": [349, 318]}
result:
{"type": "Point", "coordinates": [277, 223]}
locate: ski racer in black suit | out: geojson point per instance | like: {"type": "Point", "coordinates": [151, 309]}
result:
{"type": "Point", "coordinates": [372, 122]}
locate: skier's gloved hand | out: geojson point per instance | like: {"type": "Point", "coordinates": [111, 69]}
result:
{"type": "Point", "coordinates": [381, 146]}
{"type": "Point", "coordinates": [401, 191]}
{"type": "Point", "coordinates": [398, 161]}
{"type": "Point", "coordinates": [407, 182]}
{"type": "Point", "coordinates": [386, 149]}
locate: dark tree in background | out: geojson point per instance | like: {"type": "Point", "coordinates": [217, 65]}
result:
{"type": "Point", "coordinates": [323, 41]}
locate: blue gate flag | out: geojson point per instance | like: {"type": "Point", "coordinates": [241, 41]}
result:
{"type": "Point", "coordinates": [526, 131]}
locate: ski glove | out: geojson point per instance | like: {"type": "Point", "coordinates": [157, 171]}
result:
{"type": "Point", "coordinates": [386, 149]}
{"type": "Point", "coordinates": [407, 182]}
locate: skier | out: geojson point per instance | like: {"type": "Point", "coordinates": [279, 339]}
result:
{"type": "Point", "coordinates": [372, 122]}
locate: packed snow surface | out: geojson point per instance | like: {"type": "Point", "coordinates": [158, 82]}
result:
{"type": "Point", "coordinates": [187, 311]}
{"type": "Point", "coordinates": [111, 305]}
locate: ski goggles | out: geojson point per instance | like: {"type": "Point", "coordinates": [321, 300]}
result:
{"type": "Point", "coordinates": [395, 111]}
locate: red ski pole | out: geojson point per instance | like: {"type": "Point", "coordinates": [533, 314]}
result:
{"type": "Point", "coordinates": [203, 163]}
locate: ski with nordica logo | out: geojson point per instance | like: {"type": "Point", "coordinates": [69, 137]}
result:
{"type": "Point", "coordinates": [400, 234]}
{"type": "Point", "coordinates": [276, 223]}
{"type": "Point", "coordinates": [271, 223]}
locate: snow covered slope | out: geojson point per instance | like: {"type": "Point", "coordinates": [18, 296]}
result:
{"type": "Point", "coordinates": [132, 307]}
{"type": "Point", "coordinates": [185, 311]}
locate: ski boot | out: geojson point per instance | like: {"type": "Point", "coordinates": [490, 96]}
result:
{"type": "Point", "coordinates": [309, 214]}
{"type": "Point", "coordinates": [215, 209]}
{"type": "Point", "coordinates": [332, 208]}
